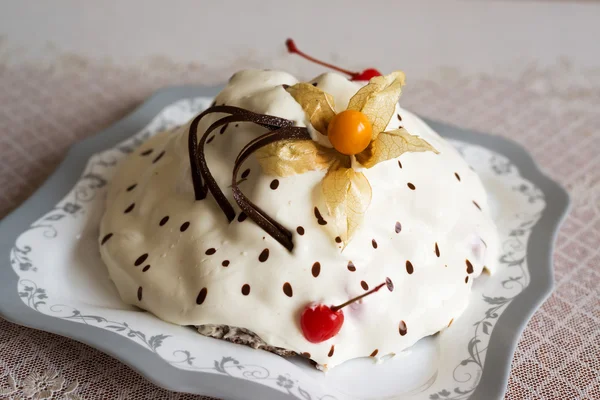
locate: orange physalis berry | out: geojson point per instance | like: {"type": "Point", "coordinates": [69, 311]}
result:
{"type": "Point", "coordinates": [350, 132]}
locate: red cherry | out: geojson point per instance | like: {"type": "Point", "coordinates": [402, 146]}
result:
{"type": "Point", "coordinates": [366, 75]}
{"type": "Point", "coordinates": [320, 323]}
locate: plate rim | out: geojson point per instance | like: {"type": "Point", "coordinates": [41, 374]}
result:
{"type": "Point", "coordinates": [494, 378]}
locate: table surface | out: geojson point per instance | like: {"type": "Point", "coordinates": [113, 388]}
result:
{"type": "Point", "coordinates": [548, 99]}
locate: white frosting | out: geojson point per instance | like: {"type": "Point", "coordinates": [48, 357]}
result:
{"type": "Point", "coordinates": [440, 210]}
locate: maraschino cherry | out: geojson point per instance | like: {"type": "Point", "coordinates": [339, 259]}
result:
{"type": "Point", "coordinates": [320, 322]}
{"type": "Point", "coordinates": [354, 76]}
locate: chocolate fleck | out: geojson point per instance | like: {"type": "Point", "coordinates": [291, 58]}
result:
{"type": "Point", "coordinates": [467, 279]}
{"type": "Point", "coordinates": [130, 188]}
{"type": "Point", "coordinates": [246, 173]}
{"type": "Point", "coordinates": [330, 354]}
{"type": "Point", "coordinates": [164, 220]}
{"type": "Point", "coordinates": [106, 238]}
{"type": "Point", "coordinates": [457, 176]}
{"type": "Point", "coordinates": [399, 117]}
{"type": "Point", "coordinates": [437, 249]}
{"type": "Point", "coordinates": [411, 186]}
{"type": "Point", "coordinates": [351, 266]}
{"type": "Point", "coordinates": [139, 293]}
{"type": "Point", "coordinates": [306, 354]}
{"type": "Point", "coordinates": [223, 129]}
{"type": "Point", "coordinates": [469, 267]}
{"type": "Point", "coordinates": [140, 260]}
{"type": "Point", "coordinates": [364, 285]}
{"type": "Point", "coordinates": [236, 125]}
{"type": "Point", "coordinates": [274, 184]}
{"type": "Point", "coordinates": [242, 216]}
{"type": "Point", "coordinates": [128, 209]}
{"type": "Point", "coordinates": [338, 239]}
{"type": "Point", "coordinates": [409, 267]}
{"type": "Point", "coordinates": [374, 243]}
{"type": "Point", "coordinates": [146, 268]}
{"type": "Point", "coordinates": [320, 219]}
{"type": "Point", "coordinates": [389, 284]}
{"type": "Point", "coordinates": [264, 255]}
{"type": "Point", "coordinates": [146, 152]}
{"type": "Point", "coordinates": [476, 205]}
{"type": "Point", "coordinates": [210, 251]}
{"type": "Point", "coordinates": [402, 328]}
{"type": "Point", "coordinates": [374, 353]}
{"type": "Point", "coordinates": [300, 230]}
{"type": "Point", "coordinates": [398, 227]}
{"type": "Point", "coordinates": [225, 263]}
{"type": "Point", "coordinates": [184, 226]}
{"type": "Point", "coordinates": [316, 269]}
{"type": "Point", "coordinates": [201, 296]}
{"type": "Point", "coordinates": [287, 289]}
{"type": "Point", "coordinates": [314, 84]}
{"type": "Point", "coordinates": [158, 157]}
{"type": "Point", "coordinates": [399, 164]}
{"type": "Point", "coordinates": [246, 289]}
{"type": "Point", "coordinates": [210, 139]}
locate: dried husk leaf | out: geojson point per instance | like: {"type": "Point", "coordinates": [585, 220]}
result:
{"type": "Point", "coordinates": [378, 99]}
{"type": "Point", "coordinates": [347, 196]}
{"type": "Point", "coordinates": [318, 105]}
{"type": "Point", "coordinates": [390, 145]}
{"type": "Point", "coordinates": [291, 157]}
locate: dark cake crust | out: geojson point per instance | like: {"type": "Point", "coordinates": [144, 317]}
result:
{"type": "Point", "coordinates": [241, 336]}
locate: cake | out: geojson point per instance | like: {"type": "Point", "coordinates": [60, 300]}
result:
{"type": "Point", "coordinates": [314, 218]}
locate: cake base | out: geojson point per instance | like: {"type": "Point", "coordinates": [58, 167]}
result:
{"type": "Point", "coordinates": [241, 336]}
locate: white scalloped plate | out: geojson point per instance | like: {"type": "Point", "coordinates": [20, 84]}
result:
{"type": "Point", "coordinates": [56, 281]}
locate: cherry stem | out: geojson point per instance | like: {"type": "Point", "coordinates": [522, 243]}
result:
{"type": "Point", "coordinates": [336, 308]}
{"type": "Point", "coordinates": [291, 46]}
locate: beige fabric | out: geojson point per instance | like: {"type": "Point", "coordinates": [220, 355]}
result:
{"type": "Point", "coordinates": [554, 113]}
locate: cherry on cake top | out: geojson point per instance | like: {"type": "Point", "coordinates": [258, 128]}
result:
{"type": "Point", "coordinates": [365, 75]}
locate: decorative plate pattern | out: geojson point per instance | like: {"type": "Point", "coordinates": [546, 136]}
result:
{"type": "Point", "coordinates": [60, 274]}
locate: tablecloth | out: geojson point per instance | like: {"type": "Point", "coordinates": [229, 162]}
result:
{"type": "Point", "coordinates": [553, 111]}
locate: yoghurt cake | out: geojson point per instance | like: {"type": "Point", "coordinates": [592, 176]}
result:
{"type": "Point", "coordinates": [266, 218]}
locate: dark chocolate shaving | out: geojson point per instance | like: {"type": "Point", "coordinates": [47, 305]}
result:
{"type": "Point", "coordinates": [262, 219]}
{"type": "Point", "coordinates": [210, 181]}
{"type": "Point", "coordinates": [199, 189]}
{"type": "Point", "coordinates": [203, 181]}
{"type": "Point", "coordinates": [198, 163]}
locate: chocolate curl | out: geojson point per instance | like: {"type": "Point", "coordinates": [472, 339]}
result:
{"type": "Point", "coordinates": [251, 147]}
{"type": "Point", "coordinates": [199, 188]}
{"type": "Point", "coordinates": [199, 167]}
{"type": "Point", "coordinates": [212, 185]}
{"type": "Point", "coordinates": [255, 213]}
